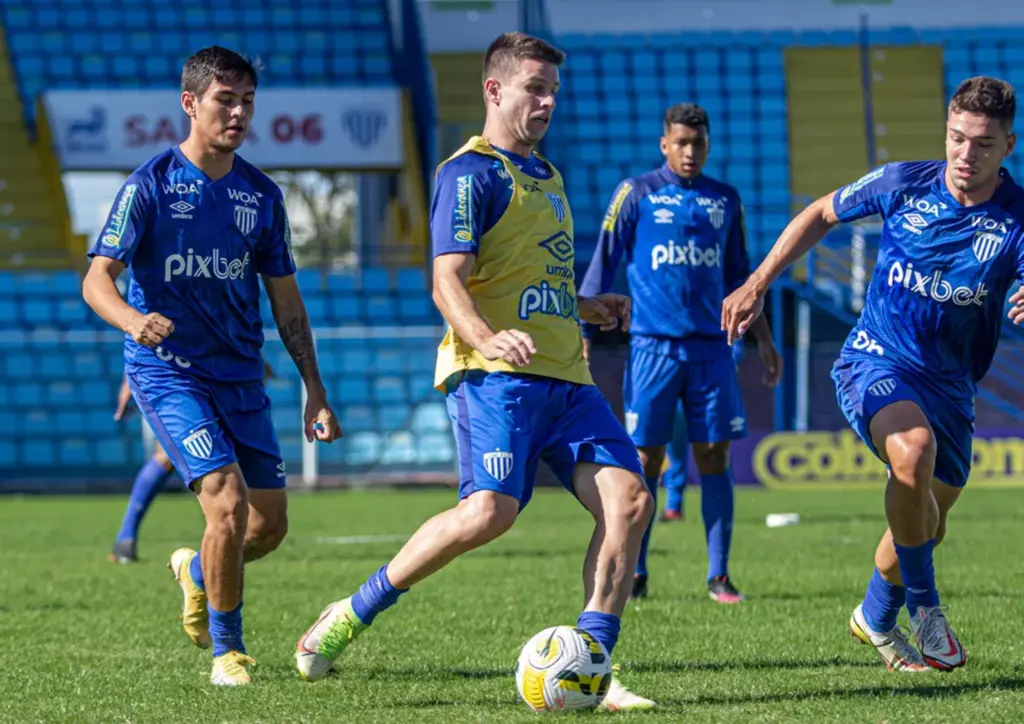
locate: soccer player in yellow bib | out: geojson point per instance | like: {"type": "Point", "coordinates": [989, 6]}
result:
{"type": "Point", "coordinates": [511, 367]}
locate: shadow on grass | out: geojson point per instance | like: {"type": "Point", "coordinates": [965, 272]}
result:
{"type": "Point", "coordinates": [854, 692]}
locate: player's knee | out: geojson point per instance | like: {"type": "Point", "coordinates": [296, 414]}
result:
{"type": "Point", "coordinates": [267, 535]}
{"type": "Point", "coordinates": [162, 459]}
{"type": "Point", "coordinates": [940, 532]}
{"type": "Point", "coordinates": [225, 501]}
{"type": "Point", "coordinates": [632, 503]}
{"type": "Point", "coordinates": [911, 456]}
{"type": "Point", "coordinates": [487, 515]}
{"type": "Point", "coordinates": [711, 458]}
{"type": "Point", "coordinates": [652, 459]}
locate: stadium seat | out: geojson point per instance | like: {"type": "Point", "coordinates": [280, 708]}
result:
{"type": "Point", "coordinates": [363, 449]}
{"type": "Point", "coordinates": [8, 455]}
{"type": "Point", "coordinates": [389, 389]}
{"type": "Point", "coordinates": [357, 418]}
{"type": "Point", "coordinates": [376, 281]}
{"type": "Point", "coordinates": [359, 38]}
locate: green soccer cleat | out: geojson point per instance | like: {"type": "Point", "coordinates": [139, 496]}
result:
{"type": "Point", "coordinates": [326, 639]}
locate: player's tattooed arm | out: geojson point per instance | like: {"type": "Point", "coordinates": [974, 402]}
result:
{"type": "Point", "coordinates": [293, 326]}
{"type": "Point", "coordinates": [320, 422]}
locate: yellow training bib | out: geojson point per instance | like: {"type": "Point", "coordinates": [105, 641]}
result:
{"type": "Point", "coordinates": [523, 279]}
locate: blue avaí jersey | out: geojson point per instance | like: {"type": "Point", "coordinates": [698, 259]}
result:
{"type": "Point", "coordinates": [685, 248]}
{"type": "Point", "coordinates": [937, 300]}
{"type": "Point", "coordinates": [195, 248]}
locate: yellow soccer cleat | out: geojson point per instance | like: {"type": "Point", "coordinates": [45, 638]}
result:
{"type": "Point", "coordinates": [232, 669]}
{"type": "Point", "coordinates": [195, 619]}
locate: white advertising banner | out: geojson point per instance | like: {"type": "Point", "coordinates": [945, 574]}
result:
{"type": "Point", "coordinates": [294, 128]}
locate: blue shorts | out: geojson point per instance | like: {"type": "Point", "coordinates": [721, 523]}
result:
{"type": "Point", "coordinates": [654, 385]}
{"type": "Point", "coordinates": [505, 424]}
{"type": "Point", "coordinates": [863, 387]}
{"type": "Point", "coordinates": [204, 425]}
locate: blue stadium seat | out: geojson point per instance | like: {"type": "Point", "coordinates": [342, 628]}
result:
{"type": "Point", "coordinates": [114, 453]}
{"type": "Point", "coordinates": [380, 310]}
{"type": "Point", "coordinates": [394, 417]}
{"type": "Point", "coordinates": [316, 308]}
{"type": "Point", "coordinates": [19, 366]}
{"type": "Point", "coordinates": [10, 423]}
{"type": "Point", "coordinates": [353, 391]}
{"type": "Point", "coordinates": [8, 454]}
{"type": "Point", "coordinates": [411, 279]}
{"type": "Point", "coordinates": [87, 365]}
{"type": "Point", "coordinates": [356, 361]}
{"type": "Point", "coordinates": [389, 362]}
{"type": "Point", "coordinates": [375, 280]}
{"type": "Point", "coordinates": [389, 389]}
{"type": "Point", "coordinates": [75, 452]}
{"type": "Point", "coordinates": [434, 448]}
{"type": "Point", "coordinates": [415, 309]}
{"type": "Point", "coordinates": [37, 452]}
{"type": "Point", "coordinates": [70, 422]}
{"type": "Point", "coordinates": [357, 418]}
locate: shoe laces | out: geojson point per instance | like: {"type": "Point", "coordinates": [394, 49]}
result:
{"type": "Point", "coordinates": [899, 639]}
{"type": "Point", "coordinates": [933, 629]}
{"type": "Point", "coordinates": [235, 663]}
{"type": "Point", "coordinates": [724, 584]}
{"type": "Point", "coordinates": [339, 634]}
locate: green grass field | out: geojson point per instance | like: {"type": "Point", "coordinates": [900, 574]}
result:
{"type": "Point", "coordinates": [84, 640]}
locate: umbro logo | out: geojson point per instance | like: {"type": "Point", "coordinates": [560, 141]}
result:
{"type": "Point", "coordinates": [914, 223]}
{"type": "Point", "coordinates": [181, 209]}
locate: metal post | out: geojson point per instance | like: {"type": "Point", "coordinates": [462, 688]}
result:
{"type": "Point", "coordinates": [309, 459]}
{"type": "Point", "coordinates": [803, 364]}
{"type": "Point", "coordinates": [858, 272]}
{"type": "Point", "coordinates": [866, 80]}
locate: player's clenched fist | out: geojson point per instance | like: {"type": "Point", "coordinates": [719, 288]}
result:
{"type": "Point", "coordinates": [515, 347]}
{"type": "Point", "coordinates": [151, 329]}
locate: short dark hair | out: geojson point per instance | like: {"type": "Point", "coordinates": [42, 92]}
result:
{"type": "Point", "coordinates": [215, 63]}
{"type": "Point", "coordinates": [986, 95]}
{"type": "Point", "coordinates": [504, 54]}
{"type": "Point", "coordinates": [687, 114]}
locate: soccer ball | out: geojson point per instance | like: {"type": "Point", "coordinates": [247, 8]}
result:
{"type": "Point", "coordinates": [562, 668]}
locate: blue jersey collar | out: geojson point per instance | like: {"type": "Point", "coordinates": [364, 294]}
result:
{"type": "Point", "coordinates": [672, 177]}
{"type": "Point", "coordinates": [176, 150]}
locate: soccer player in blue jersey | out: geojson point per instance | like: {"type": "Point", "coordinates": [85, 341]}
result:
{"type": "Point", "coordinates": [512, 368]}
{"type": "Point", "coordinates": [683, 238]}
{"type": "Point", "coordinates": [196, 224]}
{"type": "Point", "coordinates": [673, 479]}
{"type": "Point", "coordinates": [951, 247]}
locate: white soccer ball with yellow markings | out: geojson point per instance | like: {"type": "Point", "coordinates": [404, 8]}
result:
{"type": "Point", "coordinates": [563, 668]}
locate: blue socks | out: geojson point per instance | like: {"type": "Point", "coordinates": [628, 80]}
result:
{"type": "Point", "coordinates": [882, 603]}
{"type": "Point", "coordinates": [674, 481]}
{"type": "Point", "coordinates": [226, 630]}
{"type": "Point", "coordinates": [375, 596]}
{"type": "Point", "coordinates": [602, 626]}
{"type": "Point", "coordinates": [195, 569]}
{"type": "Point", "coordinates": [148, 484]}
{"type": "Point", "coordinates": [717, 505]}
{"type": "Point", "coordinates": [918, 575]}
{"type": "Point", "coordinates": [641, 565]}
